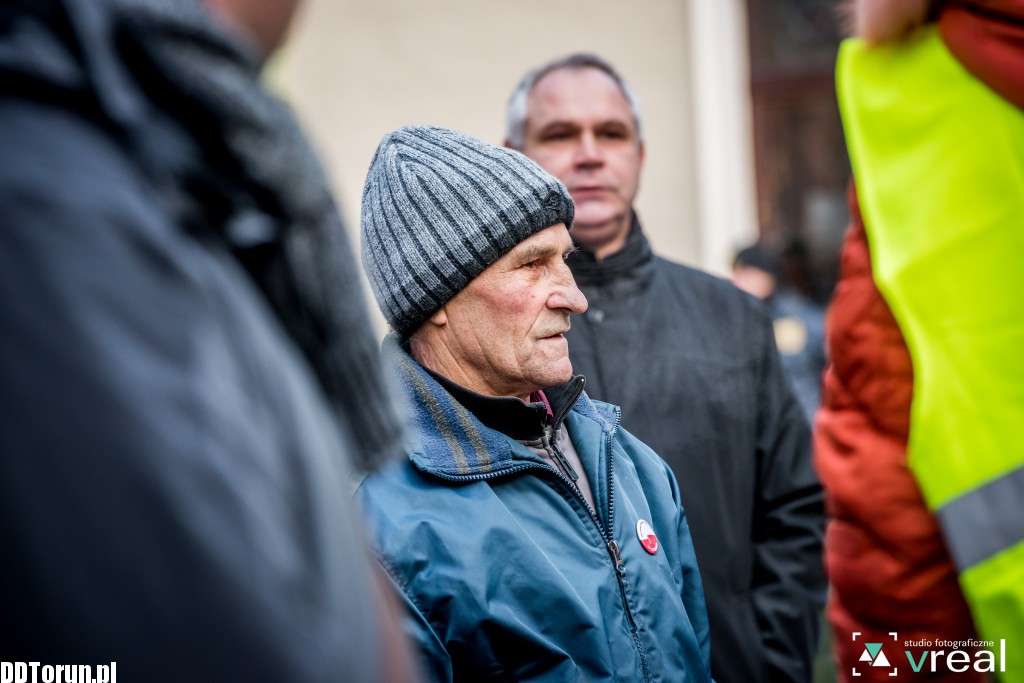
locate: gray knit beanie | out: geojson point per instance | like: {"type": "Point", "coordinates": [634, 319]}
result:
{"type": "Point", "coordinates": [439, 207]}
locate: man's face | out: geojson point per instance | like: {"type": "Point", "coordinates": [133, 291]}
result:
{"type": "Point", "coordinates": [579, 127]}
{"type": "Point", "coordinates": [754, 281]}
{"type": "Point", "coordinates": [506, 329]}
{"type": "Point", "coordinates": [263, 21]}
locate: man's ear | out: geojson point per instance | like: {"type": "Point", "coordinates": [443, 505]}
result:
{"type": "Point", "coordinates": [643, 153]}
{"type": "Point", "coordinates": [440, 317]}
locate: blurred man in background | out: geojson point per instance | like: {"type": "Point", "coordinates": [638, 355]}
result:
{"type": "Point", "coordinates": [189, 372]}
{"type": "Point", "coordinates": [797, 321]}
{"type": "Point", "coordinates": [692, 362]}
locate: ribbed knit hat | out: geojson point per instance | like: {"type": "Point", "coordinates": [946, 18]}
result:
{"type": "Point", "coordinates": [439, 207]}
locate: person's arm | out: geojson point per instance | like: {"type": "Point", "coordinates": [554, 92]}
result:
{"type": "Point", "coordinates": [693, 587]}
{"type": "Point", "coordinates": [789, 582]}
{"type": "Point", "coordinates": [434, 658]}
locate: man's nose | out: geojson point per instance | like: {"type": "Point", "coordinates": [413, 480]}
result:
{"type": "Point", "coordinates": [568, 297]}
{"type": "Point", "coordinates": [588, 152]}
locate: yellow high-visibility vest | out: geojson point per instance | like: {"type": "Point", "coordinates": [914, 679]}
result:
{"type": "Point", "coordinates": [938, 160]}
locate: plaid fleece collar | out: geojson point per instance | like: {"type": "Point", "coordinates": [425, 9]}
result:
{"type": "Point", "coordinates": [452, 441]}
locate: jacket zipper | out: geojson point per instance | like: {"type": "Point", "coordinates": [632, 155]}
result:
{"type": "Point", "coordinates": [606, 533]}
{"type": "Point", "coordinates": [613, 547]}
{"type": "Point", "coordinates": [549, 443]}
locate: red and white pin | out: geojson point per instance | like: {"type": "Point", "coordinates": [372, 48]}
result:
{"type": "Point", "coordinates": [646, 535]}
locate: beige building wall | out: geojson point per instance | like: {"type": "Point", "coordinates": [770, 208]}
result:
{"type": "Point", "coordinates": [357, 69]}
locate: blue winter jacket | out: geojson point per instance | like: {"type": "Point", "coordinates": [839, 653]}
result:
{"type": "Point", "coordinates": [509, 574]}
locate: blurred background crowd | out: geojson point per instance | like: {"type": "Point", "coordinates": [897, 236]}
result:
{"type": "Point", "coordinates": [740, 115]}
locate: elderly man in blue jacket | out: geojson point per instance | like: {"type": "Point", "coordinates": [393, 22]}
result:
{"type": "Point", "coordinates": [532, 537]}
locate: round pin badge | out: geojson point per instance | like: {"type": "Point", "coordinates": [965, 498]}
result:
{"type": "Point", "coordinates": [646, 535]}
{"type": "Point", "coordinates": [790, 335]}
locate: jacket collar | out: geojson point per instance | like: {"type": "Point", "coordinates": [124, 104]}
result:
{"type": "Point", "coordinates": [453, 442]}
{"type": "Point", "coordinates": [624, 263]}
{"type": "Point", "coordinates": [511, 416]}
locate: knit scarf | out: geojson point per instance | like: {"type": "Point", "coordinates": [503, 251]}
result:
{"type": "Point", "coordinates": [277, 216]}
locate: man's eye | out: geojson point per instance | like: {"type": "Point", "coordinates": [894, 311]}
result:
{"type": "Point", "coordinates": [532, 264]}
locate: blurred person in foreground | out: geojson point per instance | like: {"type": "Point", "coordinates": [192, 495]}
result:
{"type": "Point", "coordinates": [189, 375]}
{"type": "Point", "coordinates": [798, 323]}
{"type": "Point", "coordinates": [919, 442]}
{"type": "Point", "coordinates": [693, 364]}
{"type": "Point", "coordinates": [532, 536]}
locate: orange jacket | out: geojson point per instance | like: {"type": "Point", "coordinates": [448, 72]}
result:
{"type": "Point", "coordinates": [885, 555]}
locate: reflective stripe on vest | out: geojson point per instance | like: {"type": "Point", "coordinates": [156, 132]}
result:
{"type": "Point", "coordinates": [939, 164]}
{"type": "Point", "coordinates": [977, 525]}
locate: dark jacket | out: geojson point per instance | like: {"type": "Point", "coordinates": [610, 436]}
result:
{"type": "Point", "coordinates": [174, 491]}
{"type": "Point", "coordinates": [799, 326]}
{"type": "Point", "coordinates": [692, 362]}
{"type": "Point", "coordinates": [510, 575]}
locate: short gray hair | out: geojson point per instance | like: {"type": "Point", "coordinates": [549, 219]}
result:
{"type": "Point", "coordinates": [515, 123]}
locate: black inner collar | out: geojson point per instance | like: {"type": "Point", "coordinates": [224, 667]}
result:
{"type": "Point", "coordinates": [636, 251]}
{"type": "Point", "coordinates": [514, 417]}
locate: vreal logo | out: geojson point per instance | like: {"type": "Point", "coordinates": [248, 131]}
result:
{"type": "Point", "coordinates": [874, 655]}
{"type": "Point", "coordinates": [955, 656]}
